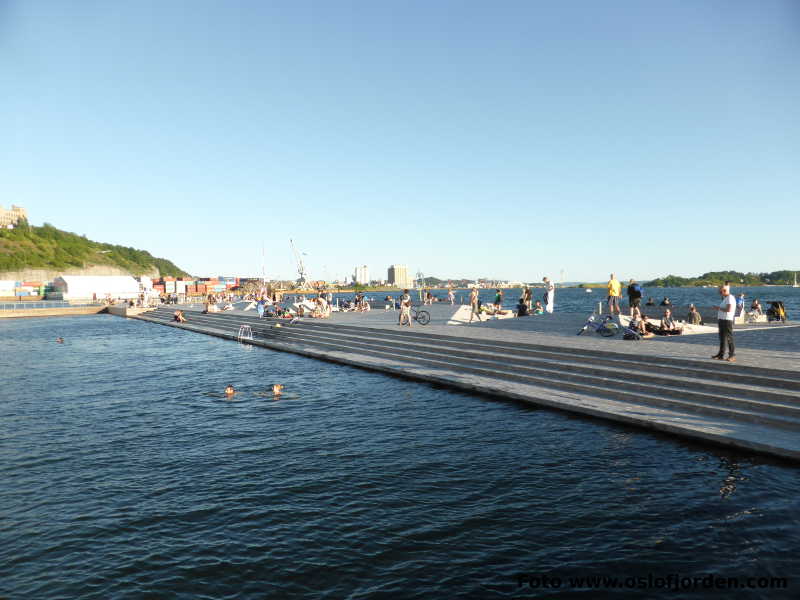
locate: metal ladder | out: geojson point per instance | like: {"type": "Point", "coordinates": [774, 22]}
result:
{"type": "Point", "coordinates": [245, 333]}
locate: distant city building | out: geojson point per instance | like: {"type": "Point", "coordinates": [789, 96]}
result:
{"type": "Point", "coordinates": [10, 218]}
{"type": "Point", "coordinates": [398, 276]}
{"type": "Point", "coordinates": [361, 275]}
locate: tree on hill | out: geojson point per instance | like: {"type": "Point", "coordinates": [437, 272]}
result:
{"type": "Point", "coordinates": [720, 277]}
{"type": "Point", "coordinates": [47, 247]}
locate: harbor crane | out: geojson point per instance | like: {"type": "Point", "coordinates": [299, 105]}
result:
{"type": "Point", "coordinates": [301, 268]}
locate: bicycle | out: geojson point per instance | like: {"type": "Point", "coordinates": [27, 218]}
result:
{"type": "Point", "coordinates": [605, 328]}
{"type": "Point", "coordinates": [423, 317]}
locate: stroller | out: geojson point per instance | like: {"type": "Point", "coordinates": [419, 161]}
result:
{"type": "Point", "coordinates": [776, 311]}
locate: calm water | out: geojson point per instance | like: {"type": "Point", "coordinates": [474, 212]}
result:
{"type": "Point", "coordinates": [126, 474]}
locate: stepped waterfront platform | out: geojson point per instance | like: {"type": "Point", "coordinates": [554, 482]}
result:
{"type": "Point", "coordinates": [665, 384]}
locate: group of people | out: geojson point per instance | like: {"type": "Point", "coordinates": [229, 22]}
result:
{"type": "Point", "coordinates": [525, 306]}
{"type": "Point", "coordinates": [230, 391]}
{"type": "Point", "coordinates": [645, 329]}
{"type": "Point", "coordinates": [729, 308]}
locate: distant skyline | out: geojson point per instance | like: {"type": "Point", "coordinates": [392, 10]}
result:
{"type": "Point", "coordinates": [463, 139]}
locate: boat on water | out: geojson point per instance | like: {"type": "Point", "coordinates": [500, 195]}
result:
{"type": "Point", "coordinates": [588, 290]}
{"type": "Point", "coordinates": [795, 281]}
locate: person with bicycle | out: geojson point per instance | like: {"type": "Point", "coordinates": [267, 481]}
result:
{"type": "Point", "coordinates": [405, 309]}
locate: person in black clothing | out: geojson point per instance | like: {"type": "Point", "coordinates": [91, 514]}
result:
{"type": "Point", "coordinates": [650, 302]}
{"type": "Point", "coordinates": [666, 302]}
{"type": "Point", "coordinates": [634, 295]}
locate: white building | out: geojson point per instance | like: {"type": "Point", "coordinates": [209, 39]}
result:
{"type": "Point", "coordinates": [10, 218]}
{"type": "Point", "coordinates": [95, 287]}
{"type": "Point", "coordinates": [361, 275]}
{"type": "Point", "coordinates": [398, 276]}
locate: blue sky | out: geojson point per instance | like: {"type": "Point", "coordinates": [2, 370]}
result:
{"type": "Point", "coordinates": [464, 139]}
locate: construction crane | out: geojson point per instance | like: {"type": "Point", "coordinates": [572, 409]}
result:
{"type": "Point", "coordinates": [301, 268]}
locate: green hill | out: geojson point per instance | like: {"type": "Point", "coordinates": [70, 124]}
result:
{"type": "Point", "coordinates": [45, 247]}
{"type": "Point", "coordinates": [719, 277]}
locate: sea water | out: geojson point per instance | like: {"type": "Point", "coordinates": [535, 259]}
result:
{"type": "Point", "coordinates": [127, 473]}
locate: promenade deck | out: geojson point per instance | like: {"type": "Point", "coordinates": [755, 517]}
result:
{"type": "Point", "coordinates": [665, 384]}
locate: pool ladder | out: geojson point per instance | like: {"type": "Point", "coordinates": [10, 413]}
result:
{"type": "Point", "coordinates": [245, 333]}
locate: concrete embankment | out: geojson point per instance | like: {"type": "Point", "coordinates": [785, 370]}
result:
{"type": "Point", "coordinates": [749, 407]}
{"type": "Point", "coordinates": [67, 311]}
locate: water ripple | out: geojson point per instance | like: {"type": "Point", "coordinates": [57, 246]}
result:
{"type": "Point", "coordinates": [127, 474]}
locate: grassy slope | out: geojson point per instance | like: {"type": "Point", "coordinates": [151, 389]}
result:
{"type": "Point", "coordinates": [46, 247]}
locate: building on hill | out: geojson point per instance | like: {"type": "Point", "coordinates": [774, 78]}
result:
{"type": "Point", "coordinates": [10, 218]}
{"type": "Point", "coordinates": [95, 287]}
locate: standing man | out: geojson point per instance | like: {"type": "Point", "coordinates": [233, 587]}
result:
{"type": "Point", "coordinates": [614, 295]}
{"type": "Point", "coordinates": [527, 298]}
{"type": "Point", "coordinates": [739, 305]}
{"type": "Point", "coordinates": [405, 309]}
{"type": "Point", "coordinates": [498, 300]}
{"type": "Point", "coordinates": [727, 308]}
{"type": "Point", "coordinates": [634, 295]}
{"type": "Point", "coordinates": [474, 305]}
{"type": "Point", "coordinates": [549, 294]}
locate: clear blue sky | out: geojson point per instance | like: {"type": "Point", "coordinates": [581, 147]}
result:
{"type": "Point", "coordinates": [464, 139]}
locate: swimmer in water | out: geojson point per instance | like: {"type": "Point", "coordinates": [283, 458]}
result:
{"type": "Point", "coordinates": [277, 389]}
{"type": "Point", "coordinates": [230, 390]}
{"type": "Point", "coordinates": [59, 340]}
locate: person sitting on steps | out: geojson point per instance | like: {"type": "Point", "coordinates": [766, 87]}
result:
{"type": "Point", "coordinates": [694, 317]}
{"type": "Point", "coordinates": [639, 324]}
{"type": "Point", "coordinates": [668, 325]}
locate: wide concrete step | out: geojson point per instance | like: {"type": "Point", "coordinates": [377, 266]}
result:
{"type": "Point", "coordinates": [738, 428]}
{"type": "Point", "coordinates": [779, 377]}
{"type": "Point", "coordinates": [568, 361]}
{"type": "Point", "coordinates": [744, 396]}
{"type": "Point", "coordinates": [746, 384]}
{"type": "Point", "coordinates": [707, 369]}
{"type": "Point", "coordinates": [757, 412]}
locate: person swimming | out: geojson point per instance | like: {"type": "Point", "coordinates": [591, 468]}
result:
{"type": "Point", "coordinates": [230, 390]}
{"type": "Point", "coordinates": [277, 389]}
{"type": "Point", "coordinates": [59, 340]}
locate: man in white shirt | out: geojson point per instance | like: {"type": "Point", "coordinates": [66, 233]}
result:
{"type": "Point", "coordinates": [727, 309]}
{"type": "Point", "coordinates": [549, 293]}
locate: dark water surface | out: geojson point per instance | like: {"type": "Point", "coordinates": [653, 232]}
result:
{"type": "Point", "coordinates": [126, 474]}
